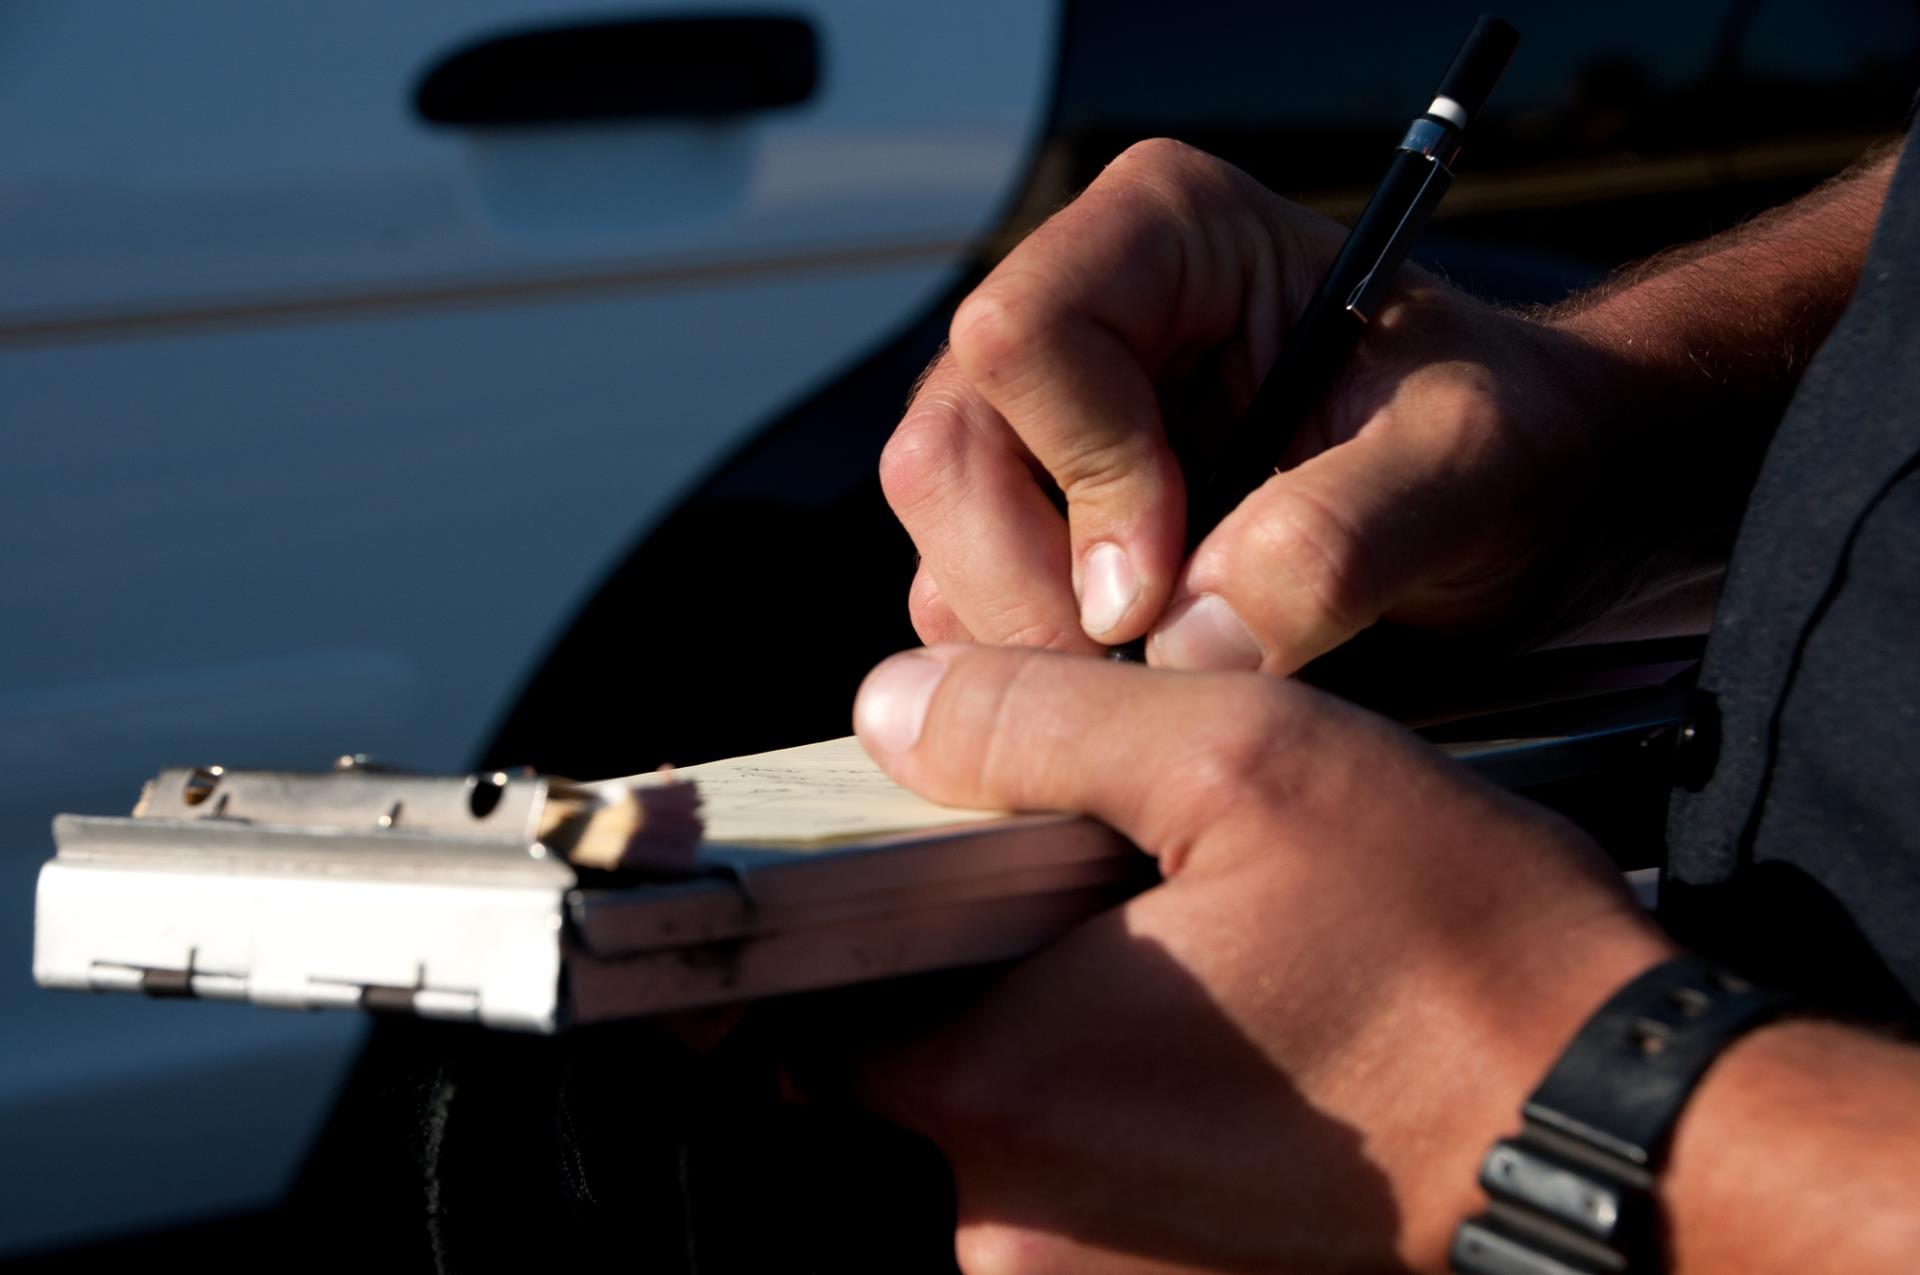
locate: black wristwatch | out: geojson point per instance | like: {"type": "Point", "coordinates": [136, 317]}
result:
{"type": "Point", "coordinates": [1572, 1192]}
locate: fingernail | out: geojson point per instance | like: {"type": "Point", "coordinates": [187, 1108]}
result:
{"type": "Point", "coordinates": [1206, 633]}
{"type": "Point", "coordinates": [892, 705]}
{"type": "Point", "coordinates": [1108, 587]}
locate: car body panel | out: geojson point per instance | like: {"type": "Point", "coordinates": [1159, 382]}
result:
{"type": "Point", "coordinates": [323, 421]}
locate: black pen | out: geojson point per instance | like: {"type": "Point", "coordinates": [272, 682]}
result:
{"type": "Point", "coordinates": [1327, 330]}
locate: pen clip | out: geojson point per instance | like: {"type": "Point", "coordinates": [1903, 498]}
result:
{"type": "Point", "coordinates": [1373, 285]}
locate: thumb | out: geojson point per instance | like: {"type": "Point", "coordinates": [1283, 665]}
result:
{"type": "Point", "coordinates": [1162, 759]}
{"type": "Point", "coordinates": [1320, 552]}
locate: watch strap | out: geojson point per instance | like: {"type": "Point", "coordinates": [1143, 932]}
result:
{"type": "Point", "coordinates": [1572, 1192]}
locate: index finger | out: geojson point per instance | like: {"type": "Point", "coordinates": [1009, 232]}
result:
{"type": "Point", "coordinates": [1168, 251]}
{"type": "Point", "coordinates": [992, 545]}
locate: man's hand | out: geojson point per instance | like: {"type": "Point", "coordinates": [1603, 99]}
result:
{"type": "Point", "coordinates": [1290, 1055]}
{"type": "Point", "coordinates": [1470, 468]}
{"type": "Point", "coordinates": [1293, 1053]}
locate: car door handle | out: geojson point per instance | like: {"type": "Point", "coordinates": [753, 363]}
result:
{"type": "Point", "coordinates": [643, 69]}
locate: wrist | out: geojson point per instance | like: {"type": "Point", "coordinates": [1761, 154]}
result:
{"type": "Point", "coordinates": [1644, 390]}
{"type": "Point", "coordinates": [1741, 1145]}
{"type": "Point", "coordinates": [1524, 1012]}
{"type": "Point", "coordinates": [1579, 1185]}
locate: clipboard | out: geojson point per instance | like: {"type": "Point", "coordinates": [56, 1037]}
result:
{"type": "Point", "coordinates": [375, 890]}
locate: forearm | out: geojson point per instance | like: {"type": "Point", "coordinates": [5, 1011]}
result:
{"type": "Point", "coordinates": [1680, 368]}
{"type": "Point", "coordinates": [1799, 1152]}
{"type": "Point", "coordinates": [1728, 325]}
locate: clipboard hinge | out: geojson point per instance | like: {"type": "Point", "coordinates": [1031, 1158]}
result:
{"type": "Point", "coordinates": [447, 1003]}
{"type": "Point", "coordinates": [350, 889]}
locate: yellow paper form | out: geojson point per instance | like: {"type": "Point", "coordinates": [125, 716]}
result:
{"type": "Point", "coordinates": [828, 791]}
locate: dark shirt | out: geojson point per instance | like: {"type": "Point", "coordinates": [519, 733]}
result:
{"type": "Point", "coordinates": [1796, 855]}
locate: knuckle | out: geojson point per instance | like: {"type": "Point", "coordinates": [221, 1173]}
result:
{"type": "Point", "coordinates": [1025, 618]}
{"type": "Point", "coordinates": [1189, 180]}
{"type": "Point", "coordinates": [1093, 471]}
{"type": "Point", "coordinates": [1161, 155]}
{"type": "Point", "coordinates": [923, 459]}
{"type": "Point", "coordinates": [1255, 749]}
{"type": "Point", "coordinates": [1313, 549]}
{"type": "Point", "coordinates": [1001, 718]}
{"type": "Point", "coordinates": [933, 628]}
{"type": "Point", "coordinates": [1237, 748]}
{"type": "Point", "coordinates": [1025, 629]}
{"type": "Point", "coordinates": [930, 616]}
{"type": "Point", "coordinates": [996, 328]}
{"type": "Point", "coordinates": [1154, 152]}
{"type": "Point", "coordinates": [933, 620]}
